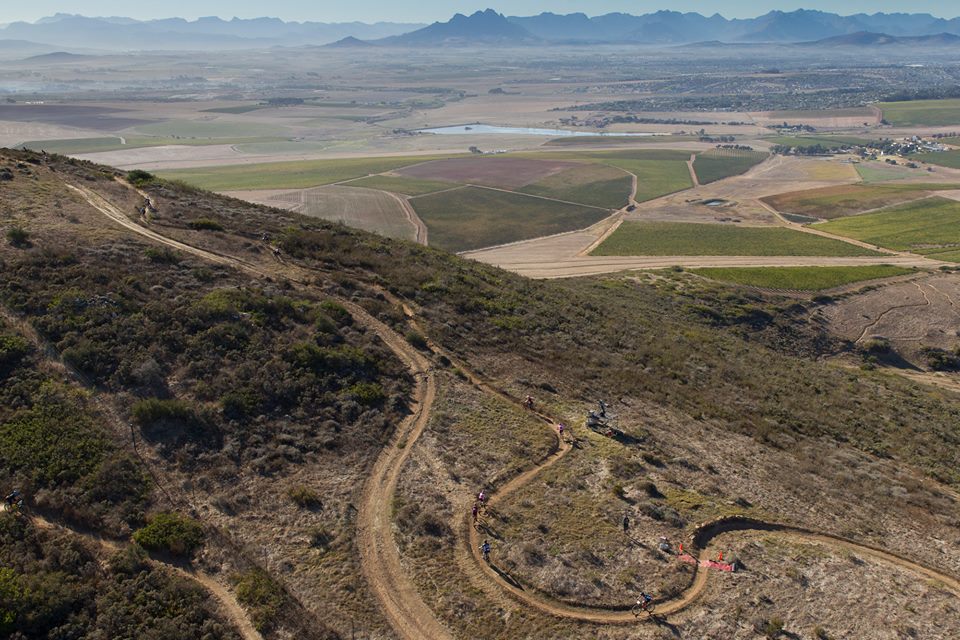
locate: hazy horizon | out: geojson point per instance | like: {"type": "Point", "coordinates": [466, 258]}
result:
{"type": "Point", "coordinates": [434, 10]}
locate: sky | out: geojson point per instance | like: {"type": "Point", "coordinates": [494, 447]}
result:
{"type": "Point", "coordinates": [431, 10]}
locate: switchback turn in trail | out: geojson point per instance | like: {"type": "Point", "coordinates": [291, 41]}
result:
{"type": "Point", "coordinates": [403, 606]}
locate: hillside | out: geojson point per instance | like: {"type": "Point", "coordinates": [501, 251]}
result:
{"type": "Point", "coordinates": [325, 402]}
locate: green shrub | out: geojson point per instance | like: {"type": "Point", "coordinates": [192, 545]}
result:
{"type": "Point", "coordinates": [18, 236]}
{"type": "Point", "coordinates": [153, 410]}
{"type": "Point", "coordinates": [338, 313]}
{"type": "Point", "coordinates": [369, 394]}
{"type": "Point", "coordinates": [161, 255]}
{"type": "Point", "coordinates": [304, 497]}
{"type": "Point", "coordinates": [139, 177]}
{"type": "Point", "coordinates": [261, 596]}
{"type": "Point", "coordinates": [205, 224]}
{"type": "Point", "coordinates": [12, 350]}
{"type": "Point", "coordinates": [239, 405]}
{"type": "Point", "coordinates": [416, 340]}
{"type": "Point", "coordinates": [171, 532]}
{"type": "Point", "coordinates": [772, 628]}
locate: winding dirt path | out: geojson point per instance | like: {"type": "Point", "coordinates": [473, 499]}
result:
{"type": "Point", "coordinates": [889, 310]}
{"type": "Point", "coordinates": [380, 558]}
{"type": "Point", "coordinates": [227, 603]}
{"type": "Point", "coordinates": [379, 555]}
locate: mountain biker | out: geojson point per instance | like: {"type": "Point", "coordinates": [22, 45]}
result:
{"type": "Point", "coordinates": [644, 600]}
{"type": "Point", "coordinates": [528, 402]}
{"type": "Point", "coordinates": [476, 510]}
{"type": "Point", "coordinates": [485, 550]}
{"type": "Point", "coordinates": [14, 500]}
{"type": "Point", "coordinates": [560, 429]}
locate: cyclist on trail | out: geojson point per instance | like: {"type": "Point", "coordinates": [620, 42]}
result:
{"type": "Point", "coordinates": [528, 402]}
{"type": "Point", "coordinates": [644, 600]}
{"type": "Point", "coordinates": [626, 523]}
{"type": "Point", "coordinates": [485, 550]}
{"type": "Point", "coordinates": [13, 500]}
{"type": "Point", "coordinates": [476, 511]}
{"type": "Point", "coordinates": [560, 429]}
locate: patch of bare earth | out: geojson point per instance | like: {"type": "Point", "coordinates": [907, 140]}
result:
{"type": "Point", "coordinates": [910, 316]}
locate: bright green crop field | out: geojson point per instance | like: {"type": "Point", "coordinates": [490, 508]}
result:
{"type": "Point", "coordinates": [801, 278]}
{"type": "Point", "coordinates": [686, 239]}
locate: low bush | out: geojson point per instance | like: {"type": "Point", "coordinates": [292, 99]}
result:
{"type": "Point", "coordinates": [139, 177]}
{"type": "Point", "coordinates": [172, 533]}
{"type": "Point", "coordinates": [304, 497]}
{"type": "Point", "coordinates": [417, 340]}
{"type": "Point", "coordinates": [261, 596]}
{"type": "Point", "coordinates": [18, 236]}
{"type": "Point", "coordinates": [153, 410]}
{"type": "Point", "coordinates": [205, 224]}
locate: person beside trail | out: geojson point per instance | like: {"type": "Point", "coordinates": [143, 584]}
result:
{"type": "Point", "coordinates": [664, 544]}
{"type": "Point", "coordinates": [560, 429]}
{"type": "Point", "coordinates": [626, 523]}
{"type": "Point", "coordinates": [485, 550]}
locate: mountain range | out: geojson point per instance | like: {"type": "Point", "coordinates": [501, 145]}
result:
{"type": "Point", "coordinates": [486, 27]}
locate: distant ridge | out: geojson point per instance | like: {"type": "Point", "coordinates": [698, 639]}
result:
{"type": "Point", "coordinates": [56, 56]}
{"type": "Point", "coordinates": [869, 39]}
{"type": "Point", "coordinates": [73, 32]}
{"type": "Point", "coordinates": [483, 27]}
{"type": "Point", "coordinates": [348, 43]}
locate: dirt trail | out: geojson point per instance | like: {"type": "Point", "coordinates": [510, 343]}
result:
{"type": "Point", "coordinates": [693, 172]}
{"type": "Point", "coordinates": [421, 235]}
{"type": "Point", "coordinates": [888, 310]}
{"type": "Point", "coordinates": [227, 603]}
{"type": "Point", "coordinates": [380, 558]}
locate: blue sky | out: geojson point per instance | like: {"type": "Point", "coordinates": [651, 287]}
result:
{"type": "Point", "coordinates": [430, 10]}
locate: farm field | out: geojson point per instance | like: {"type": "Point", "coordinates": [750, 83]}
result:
{"type": "Point", "coordinates": [688, 239]}
{"type": "Point", "coordinates": [718, 164]}
{"type": "Point", "coordinates": [801, 278]}
{"type": "Point", "coordinates": [502, 172]}
{"type": "Point", "coordinates": [474, 217]}
{"type": "Point", "coordinates": [399, 184]}
{"type": "Point", "coordinates": [113, 143]}
{"type": "Point", "coordinates": [929, 227]}
{"type": "Point", "coordinates": [881, 172]}
{"type": "Point", "coordinates": [931, 113]}
{"type": "Point", "coordinates": [591, 184]}
{"type": "Point", "coordinates": [288, 175]}
{"type": "Point", "coordinates": [659, 172]}
{"type": "Point", "coordinates": [812, 141]}
{"type": "Point", "coordinates": [366, 209]}
{"type": "Point", "coordinates": [584, 141]}
{"type": "Point", "coordinates": [949, 159]}
{"type": "Point", "coordinates": [844, 200]}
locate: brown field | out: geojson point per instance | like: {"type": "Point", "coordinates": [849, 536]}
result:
{"type": "Point", "coordinates": [81, 117]}
{"type": "Point", "coordinates": [366, 209]}
{"type": "Point", "coordinates": [910, 315]}
{"type": "Point", "coordinates": [505, 173]}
